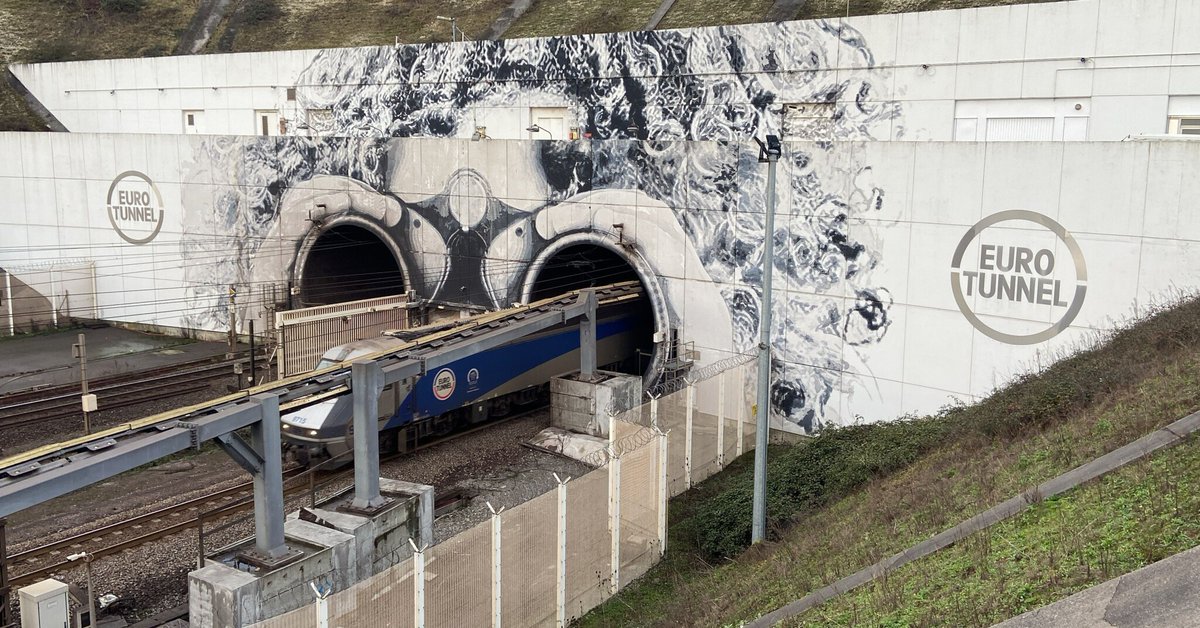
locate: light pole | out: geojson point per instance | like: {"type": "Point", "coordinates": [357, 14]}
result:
{"type": "Point", "coordinates": [87, 562]}
{"type": "Point", "coordinates": [768, 153]}
{"type": "Point", "coordinates": [533, 128]}
{"type": "Point", "coordinates": [455, 34]}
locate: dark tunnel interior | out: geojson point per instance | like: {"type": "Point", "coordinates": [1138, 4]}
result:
{"type": "Point", "coordinates": [588, 265]}
{"type": "Point", "coordinates": [348, 263]}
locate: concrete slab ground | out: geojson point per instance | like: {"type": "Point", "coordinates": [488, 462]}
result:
{"type": "Point", "coordinates": [1162, 595]}
{"type": "Point", "coordinates": [34, 361]}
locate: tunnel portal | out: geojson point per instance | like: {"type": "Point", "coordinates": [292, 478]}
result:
{"type": "Point", "coordinates": [589, 265]}
{"type": "Point", "coordinates": [348, 263]}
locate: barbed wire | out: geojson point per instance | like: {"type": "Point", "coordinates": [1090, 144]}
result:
{"type": "Point", "coordinates": [642, 437]}
{"type": "Point", "coordinates": [698, 375]}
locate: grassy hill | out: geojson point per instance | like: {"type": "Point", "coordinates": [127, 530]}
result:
{"type": "Point", "coordinates": [853, 496]}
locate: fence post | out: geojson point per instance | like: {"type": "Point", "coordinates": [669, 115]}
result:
{"type": "Point", "coordinates": [663, 491]}
{"type": "Point", "coordinates": [614, 513]}
{"type": "Point", "coordinates": [497, 606]}
{"type": "Point", "coordinates": [561, 569]}
{"type": "Point", "coordinates": [721, 421]}
{"type": "Point", "coordinates": [418, 584]}
{"type": "Point", "coordinates": [322, 597]}
{"type": "Point", "coordinates": [741, 418]}
{"type": "Point", "coordinates": [322, 612]}
{"type": "Point", "coordinates": [654, 412]}
{"type": "Point", "coordinates": [687, 437]}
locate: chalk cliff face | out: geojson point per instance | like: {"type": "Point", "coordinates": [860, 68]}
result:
{"type": "Point", "coordinates": [670, 116]}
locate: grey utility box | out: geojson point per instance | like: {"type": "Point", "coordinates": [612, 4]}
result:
{"type": "Point", "coordinates": [44, 605]}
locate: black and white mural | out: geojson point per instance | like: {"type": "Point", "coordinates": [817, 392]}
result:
{"type": "Point", "coordinates": [665, 174]}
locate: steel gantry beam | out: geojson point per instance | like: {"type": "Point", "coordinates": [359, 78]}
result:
{"type": "Point", "coordinates": [369, 378]}
{"type": "Point", "coordinates": [48, 472]}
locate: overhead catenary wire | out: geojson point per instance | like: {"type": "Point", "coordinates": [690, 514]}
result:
{"type": "Point", "coordinates": [564, 284]}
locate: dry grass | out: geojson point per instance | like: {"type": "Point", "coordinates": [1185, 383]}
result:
{"type": "Point", "coordinates": [814, 9]}
{"type": "Point", "coordinates": [340, 23]}
{"type": "Point", "coordinates": [689, 13]}
{"type": "Point", "coordinates": [57, 30]}
{"type": "Point", "coordinates": [1150, 376]}
{"type": "Point", "coordinates": [578, 17]}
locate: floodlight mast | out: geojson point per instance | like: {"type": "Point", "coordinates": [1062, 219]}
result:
{"type": "Point", "coordinates": [455, 33]}
{"type": "Point", "coordinates": [768, 153]}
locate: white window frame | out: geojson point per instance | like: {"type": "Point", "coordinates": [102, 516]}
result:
{"type": "Point", "coordinates": [273, 118]}
{"type": "Point", "coordinates": [1184, 125]}
{"type": "Point", "coordinates": [196, 128]}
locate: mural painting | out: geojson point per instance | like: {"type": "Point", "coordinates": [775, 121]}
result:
{"type": "Point", "coordinates": [474, 222]}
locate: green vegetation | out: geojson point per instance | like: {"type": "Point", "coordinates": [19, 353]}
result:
{"type": "Point", "coordinates": [577, 17]}
{"type": "Point", "coordinates": [854, 503]}
{"type": "Point", "coordinates": [688, 13]}
{"type": "Point", "coordinates": [813, 9]}
{"type": "Point", "coordinates": [333, 23]}
{"type": "Point", "coordinates": [1131, 518]}
{"type": "Point", "coordinates": [34, 31]}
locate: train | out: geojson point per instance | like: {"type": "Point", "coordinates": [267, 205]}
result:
{"type": "Point", "coordinates": [495, 383]}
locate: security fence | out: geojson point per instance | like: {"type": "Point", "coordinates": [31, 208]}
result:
{"type": "Point", "coordinates": [555, 557]}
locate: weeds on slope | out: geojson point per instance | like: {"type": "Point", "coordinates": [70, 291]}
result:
{"type": "Point", "coordinates": [829, 518]}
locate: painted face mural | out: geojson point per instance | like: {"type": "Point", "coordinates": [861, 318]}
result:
{"type": "Point", "coordinates": [670, 169]}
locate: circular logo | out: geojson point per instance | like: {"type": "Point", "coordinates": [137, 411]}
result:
{"type": "Point", "coordinates": [443, 384]}
{"type": "Point", "coordinates": [473, 377]}
{"type": "Point", "coordinates": [1016, 275]}
{"type": "Point", "coordinates": [135, 207]}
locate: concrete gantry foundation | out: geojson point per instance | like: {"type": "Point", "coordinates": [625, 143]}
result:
{"type": "Point", "coordinates": [583, 405]}
{"type": "Point", "coordinates": [339, 549]}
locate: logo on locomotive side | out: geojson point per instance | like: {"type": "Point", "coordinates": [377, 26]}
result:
{"type": "Point", "coordinates": [473, 380]}
{"type": "Point", "coordinates": [135, 207]}
{"type": "Point", "coordinates": [443, 384]}
{"type": "Point", "coordinates": [1021, 276]}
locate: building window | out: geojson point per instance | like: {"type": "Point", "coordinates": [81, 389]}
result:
{"type": "Point", "coordinates": [1185, 125]}
{"type": "Point", "coordinates": [552, 122]}
{"type": "Point", "coordinates": [266, 122]}
{"type": "Point", "coordinates": [808, 121]}
{"type": "Point", "coordinates": [193, 122]}
{"type": "Point", "coordinates": [1020, 129]}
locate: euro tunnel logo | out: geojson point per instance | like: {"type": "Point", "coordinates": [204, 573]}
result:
{"type": "Point", "coordinates": [443, 384]}
{"type": "Point", "coordinates": [1019, 277]}
{"type": "Point", "coordinates": [135, 207]}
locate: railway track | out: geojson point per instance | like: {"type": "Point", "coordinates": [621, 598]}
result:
{"type": "Point", "coordinates": [61, 402]}
{"type": "Point", "coordinates": [41, 562]}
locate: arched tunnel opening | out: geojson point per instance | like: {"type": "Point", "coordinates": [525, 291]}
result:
{"type": "Point", "coordinates": [348, 263]}
{"type": "Point", "coordinates": [589, 265]}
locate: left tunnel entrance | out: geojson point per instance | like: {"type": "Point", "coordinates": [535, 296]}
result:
{"type": "Point", "coordinates": [348, 263]}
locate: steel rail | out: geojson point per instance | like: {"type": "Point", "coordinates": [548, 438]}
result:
{"type": "Point", "coordinates": [220, 512]}
{"type": "Point", "coordinates": [68, 409]}
{"type": "Point", "coordinates": [295, 391]}
{"type": "Point", "coordinates": [71, 390]}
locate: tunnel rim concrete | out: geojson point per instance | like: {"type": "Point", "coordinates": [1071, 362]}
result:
{"type": "Point", "coordinates": [640, 267]}
{"type": "Point", "coordinates": [310, 239]}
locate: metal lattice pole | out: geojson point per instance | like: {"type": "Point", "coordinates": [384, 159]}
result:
{"type": "Point", "coordinates": [770, 154]}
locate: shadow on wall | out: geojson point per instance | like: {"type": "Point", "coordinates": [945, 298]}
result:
{"type": "Point", "coordinates": [22, 308]}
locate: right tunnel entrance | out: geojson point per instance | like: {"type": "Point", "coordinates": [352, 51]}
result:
{"type": "Point", "coordinates": [590, 265]}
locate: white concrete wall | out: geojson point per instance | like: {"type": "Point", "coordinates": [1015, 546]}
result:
{"type": "Point", "coordinates": [1128, 205]}
{"type": "Point", "coordinates": [1120, 66]}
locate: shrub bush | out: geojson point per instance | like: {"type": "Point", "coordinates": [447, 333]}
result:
{"type": "Point", "coordinates": [258, 11]}
{"type": "Point", "coordinates": [806, 477]}
{"type": "Point", "coordinates": [123, 6]}
{"type": "Point", "coordinates": [50, 50]}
